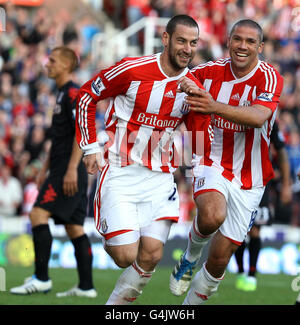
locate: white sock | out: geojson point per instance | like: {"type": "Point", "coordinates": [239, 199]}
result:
{"type": "Point", "coordinates": [202, 287]}
{"type": "Point", "coordinates": [196, 242]}
{"type": "Point", "coordinates": [129, 285]}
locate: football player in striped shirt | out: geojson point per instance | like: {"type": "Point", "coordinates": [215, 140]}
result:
{"type": "Point", "coordinates": [241, 93]}
{"type": "Point", "coordinates": [136, 199]}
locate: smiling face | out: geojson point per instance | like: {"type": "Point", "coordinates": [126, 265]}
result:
{"type": "Point", "coordinates": [181, 46]}
{"type": "Point", "coordinates": [244, 47]}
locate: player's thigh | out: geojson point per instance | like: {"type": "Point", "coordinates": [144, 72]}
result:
{"type": "Point", "coordinates": [210, 195]}
{"type": "Point", "coordinates": [153, 239]}
{"type": "Point", "coordinates": [115, 208]}
{"type": "Point", "coordinates": [123, 255]}
{"type": "Point", "coordinates": [242, 208]}
{"type": "Point", "coordinates": [52, 199]}
{"type": "Point", "coordinates": [74, 231]}
{"type": "Point", "coordinates": [39, 216]}
{"type": "Point", "coordinates": [150, 253]}
{"type": "Point", "coordinates": [211, 207]}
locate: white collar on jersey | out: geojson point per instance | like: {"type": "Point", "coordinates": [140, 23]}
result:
{"type": "Point", "coordinates": [183, 73]}
{"type": "Point", "coordinates": [247, 76]}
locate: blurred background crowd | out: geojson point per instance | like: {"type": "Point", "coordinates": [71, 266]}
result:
{"type": "Point", "coordinates": [27, 96]}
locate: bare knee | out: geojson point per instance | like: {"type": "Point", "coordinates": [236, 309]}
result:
{"type": "Point", "coordinates": [211, 212]}
{"type": "Point", "coordinates": [39, 216]}
{"type": "Point", "coordinates": [150, 253]}
{"type": "Point", "coordinates": [209, 221]}
{"type": "Point", "coordinates": [74, 231]}
{"type": "Point", "coordinates": [123, 255]}
{"type": "Point", "coordinates": [148, 260]}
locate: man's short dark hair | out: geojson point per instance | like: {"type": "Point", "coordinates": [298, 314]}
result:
{"type": "Point", "coordinates": [180, 20]}
{"type": "Point", "coordinates": [250, 23]}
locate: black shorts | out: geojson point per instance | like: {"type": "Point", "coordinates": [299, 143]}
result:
{"type": "Point", "coordinates": [264, 214]}
{"type": "Point", "coordinates": [64, 209]}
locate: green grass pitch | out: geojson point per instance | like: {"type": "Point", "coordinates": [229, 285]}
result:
{"type": "Point", "coordinates": [272, 289]}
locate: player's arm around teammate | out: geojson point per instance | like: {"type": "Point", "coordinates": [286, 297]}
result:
{"type": "Point", "coordinates": [201, 101]}
{"type": "Point", "coordinates": [242, 94]}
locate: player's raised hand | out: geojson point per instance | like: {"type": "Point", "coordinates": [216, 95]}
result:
{"type": "Point", "coordinates": [93, 163]}
{"type": "Point", "coordinates": [201, 101]}
{"type": "Point", "coordinates": [187, 85]}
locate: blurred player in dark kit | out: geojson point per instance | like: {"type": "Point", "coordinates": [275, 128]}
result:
{"type": "Point", "coordinates": [62, 192]}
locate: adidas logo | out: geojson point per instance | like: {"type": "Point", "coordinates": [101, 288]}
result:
{"type": "Point", "coordinates": [236, 97]}
{"type": "Point", "coordinates": [169, 94]}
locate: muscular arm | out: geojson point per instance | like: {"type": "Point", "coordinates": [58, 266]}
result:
{"type": "Point", "coordinates": [253, 116]}
{"type": "Point", "coordinates": [70, 181]}
{"type": "Point", "coordinates": [201, 101]}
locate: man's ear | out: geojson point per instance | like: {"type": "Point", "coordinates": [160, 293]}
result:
{"type": "Point", "coordinates": [261, 47]}
{"type": "Point", "coordinates": [227, 42]}
{"type": "Point", "coordinates": [66, 64]}
{"type": "Point", "coordinates": [165, 39]}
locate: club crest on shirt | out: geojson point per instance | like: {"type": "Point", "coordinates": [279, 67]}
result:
{"type": "Point", "coordinates": [185, 108]}
{"type": "Point", "coordinates": [104, 226]}
{"type": "Point", "coordinates": [57, 109]}
{"type": "Point", "coordinates": [97, 86]}
{"type": "Point", "coordinates": [201, 182]}
{"type": "Point", "coordinates": [265, 97]}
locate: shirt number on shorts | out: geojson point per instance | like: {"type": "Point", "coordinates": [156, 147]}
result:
{"type": "Point", "coordinates": [172, 196]}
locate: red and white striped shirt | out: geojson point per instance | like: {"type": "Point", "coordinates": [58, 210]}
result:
{"type": "Point", "coordinates": [241, 153]}
{"type": "Point", "coordinates": [144, 111]}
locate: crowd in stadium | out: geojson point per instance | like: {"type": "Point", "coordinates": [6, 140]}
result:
{"type": "Point", "coordinates": [27, 97]}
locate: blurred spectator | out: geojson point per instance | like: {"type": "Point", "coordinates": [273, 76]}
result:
{"type": "Point", "coordinates": [30, 189]}
{"type": "Point", "coordinates": [35, 142]}
{"type": "Point", "coordinates": [135, 10]}
{"type": "Point", "coordinates": [10, 192]}
{"type": "Point", "coordinates": [5, 130]}
{"type": "Point", "coordinates": [23, 106]}
{"type": "Point", "coordinates": [5, 154]}
{"type": "Point", "coordinates": [164, 8]}
{"type": "Point", "coordinates": [87, 28]}
{"type": "Point", "coordinates": [180, 7]}
{"type": "Point", "coordinates": [293, 149]}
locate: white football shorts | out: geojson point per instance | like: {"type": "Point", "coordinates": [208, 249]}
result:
{"type": "Point", "coordinates": [129, 202]}
{"type": "Point", "coordinates": [242, 205]}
